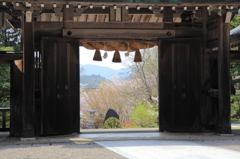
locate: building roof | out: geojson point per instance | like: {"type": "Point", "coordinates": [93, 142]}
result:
{"type": "Point", "coordinates": [143, 1]}
{"type": "Point", "coordinates": [235, 31]}
{"type": "Point", "coordinates": [235, 36]}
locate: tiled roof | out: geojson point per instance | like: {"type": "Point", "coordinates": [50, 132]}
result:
{"type": "Point", "coordinates": [235, 35]}
{"type": "Point", "coordinates": [235, 31]}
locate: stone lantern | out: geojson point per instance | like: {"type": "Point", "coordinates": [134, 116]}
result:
{"type": "Point", "coordinates": [91, 122]}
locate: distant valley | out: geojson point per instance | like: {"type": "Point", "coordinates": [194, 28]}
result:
{"type": "Point", "coordinates": [93, 75]}
{"type": "Point", "coordinates": [105, 72]}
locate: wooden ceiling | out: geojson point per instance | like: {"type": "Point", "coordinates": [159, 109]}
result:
{"type": "Point", "coordinates": [98, 14]}
{"type": "Point", "coordinates": [51, 17]}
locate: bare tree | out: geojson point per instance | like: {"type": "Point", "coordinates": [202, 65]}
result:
{"type": "Point", "coordinates": [145, 74]}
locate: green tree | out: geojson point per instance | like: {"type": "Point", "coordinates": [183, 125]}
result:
{"type": "Point", "coordinates": [4, 85]}
{"type": "Point", "coordinates": [9, 41]}
{"type": "Point", "coordinates": [144, 116]}
{"type": "Point", "coordinates": [235, 66]}
{"type": "Point", "coordinates": [234, 69]}
{"type": "Point", "coordinates": [235, 21]}
{"type": "Point", "coordinates": [10, 38]}
{"type": "Point", "coordinates": [235, 107]}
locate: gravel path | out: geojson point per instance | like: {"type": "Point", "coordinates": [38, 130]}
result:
{"type": "Point", "coordinates": [64, 150]}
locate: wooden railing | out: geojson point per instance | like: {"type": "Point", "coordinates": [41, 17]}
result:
{"type": "Point", "coordinates": [4, 119]}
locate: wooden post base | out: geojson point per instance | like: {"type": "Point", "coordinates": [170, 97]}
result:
{"type": "Point", "coordinates": [224, 129]}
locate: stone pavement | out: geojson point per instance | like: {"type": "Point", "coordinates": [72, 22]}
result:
{"type": "Point", "coordinates": [137, 144]}
{"type": "Point", "coordinates": [152, 149]}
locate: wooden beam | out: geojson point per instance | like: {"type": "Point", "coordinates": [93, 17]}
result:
{"type": "Point", "coordinates": [168, 17]}
{"type": "Point", "coordinates": [28, 107]}
{"type": "Point", "coordinates": [68, 16]}
{"type": "Point", "coordinates": [54, 29]}
{"type": "Point", "coordinates": [235, 57]}
{"type": "Point", "coordinates": [114, 25]}
{"type": "Point", "coordinates": [117, 40]}
{"type": "Point", "coordinates": [224, 126]}
{"type": "Point", "coordinates": [188, 33]}
{"type": "Point", "coordinates": [118, 33]}
{"type": "Point", "coordinates": [11, 56]}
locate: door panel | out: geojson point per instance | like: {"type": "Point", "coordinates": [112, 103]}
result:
{"type": "Point", "coordinates": [60, 86]}
{"type": "Point", "coordinates": [179, 88]}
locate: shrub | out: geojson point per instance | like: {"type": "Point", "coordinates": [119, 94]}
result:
{"type": "Point", "coordinates": [235, 107]}
{"type": "Point", "coordinates": [98, 121]}
{"type": "Point", "coordinates": [129, 125]}
{"type": "Point", "coordinates": [144, 116]}
{"type": "Point", "coordinates": [112, 123]}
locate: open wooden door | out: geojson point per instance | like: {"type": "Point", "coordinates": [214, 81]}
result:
{"type": "Point", "coordinates": [179, 89]}
{"type": "Point", "coordinates": [60, 86]}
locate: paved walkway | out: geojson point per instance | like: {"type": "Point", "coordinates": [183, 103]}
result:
{"type": "Point", "coordinates": [145, 145]}
{"type": "Point", "coordinates": [162, 149]}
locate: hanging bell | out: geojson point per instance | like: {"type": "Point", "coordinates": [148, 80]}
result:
{"type": "Point", "coordinates": [116, 57]}
{"type": "Point", "coordinates": [97, 56]}
{"type": "Point", "coordinates": [138, 56]}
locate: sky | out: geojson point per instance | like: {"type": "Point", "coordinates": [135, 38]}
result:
{"type": "Point", "coordinates": [86, 57]}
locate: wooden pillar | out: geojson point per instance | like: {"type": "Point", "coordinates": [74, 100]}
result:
{"type": "Point", "coordinates": [224, 126]}
{"type": "Point", "coordinates": [168, 17]}
{"type": "Point", "coordinates": [68, 16]}
{"type": "Point", "coordinates": [28, 98]}
{"type": "Point", "coordinates": [204, 73]}
{"type": "Point", "coordinates": [16, 96]}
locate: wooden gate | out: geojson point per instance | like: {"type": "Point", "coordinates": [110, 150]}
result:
{"type": "Point", "coordinates": [179, 89]}
{"type": "Point", "coordinates": [60, 86]}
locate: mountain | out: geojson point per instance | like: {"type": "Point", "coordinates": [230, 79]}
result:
{"type": "Point", "coordinates": [91, 81]}
{"type": "Point", "coordinates": [105, 72]}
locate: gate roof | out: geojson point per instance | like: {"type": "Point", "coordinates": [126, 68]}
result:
{"type": "Point", "coordinates": [132, 1]}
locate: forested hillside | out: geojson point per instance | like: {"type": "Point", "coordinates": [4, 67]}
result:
{"type": "Point", "coordinates": [92, 81]}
